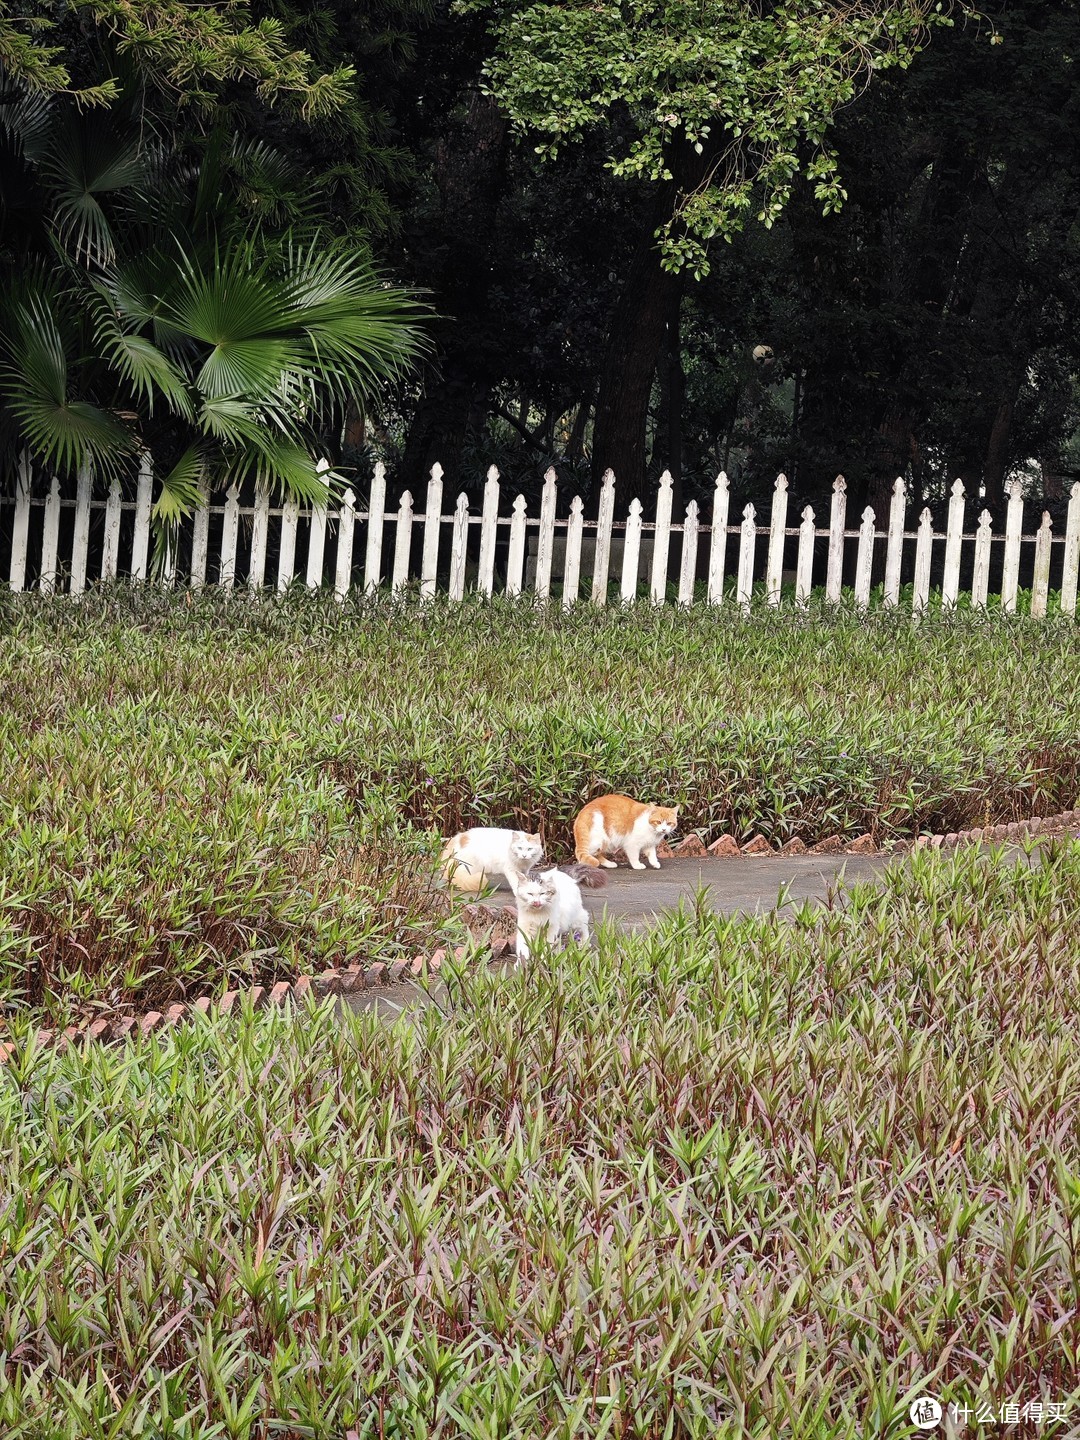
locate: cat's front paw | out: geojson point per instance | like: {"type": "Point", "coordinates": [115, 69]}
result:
{"type": "Point", "coordinates": [636, 865]}
{"type": "Point", "coordinates": [654, 862]}
{"type": "Point", "coordinates": [609, 864]}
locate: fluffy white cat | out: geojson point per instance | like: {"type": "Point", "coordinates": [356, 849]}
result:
{"type": "Point", "coordinates": [470, 858]}
{"type": "Point", "coordinates": [549, 905]}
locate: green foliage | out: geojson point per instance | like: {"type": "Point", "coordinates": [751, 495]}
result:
{"type": "Point", "coordinates": [731, 1178]}
{"type": "Point", "coordinates": [750, 91]}
{"type": "Point", "coordinates": [200, 787]}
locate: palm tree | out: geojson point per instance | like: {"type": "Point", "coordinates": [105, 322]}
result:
{"type": "Point", "coordinates": [181, 305]}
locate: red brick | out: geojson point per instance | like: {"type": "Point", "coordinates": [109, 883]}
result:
{"type": "Point", "coordinates": [437, 958]}
{"type": "Point", "coordinates": [150, 1021]}
{"type": "Point", "coordinates": [794, 846]}
{"type": "Point", "coordinates": [724, 846]}
{"type": "Point", "coordinates": [99, 1030]}
{"type": "Point", "coordinates": [692, 846]}
{"type": "Point", "coordinates": [374, 975]}
{"type": "Point", "coordinates": [227, 1002]}
{"type": "Point", "coordinates": [203, 1004]}
{"type": "Point", "coordinates": [397, 969]}
{"type": "Point", "coordinates": [7, 1049]}
{"type": "Point", "coordinates": [830, 845]}
{"type": "Point", "coordinates": [175, 1013]}
{"type": "Point", "coordinates": [757, 845]}
{"type": "Point", "coordinates": [123, 1028]}
{"type": "Point", "coordinates": [302, 988]}
{"type": "Point", "coordinates": [73, 1033]}
{"type": "Point", "coordinates": [280, 993]}
{"type": "Point", "coordinates": [664, 851]}
{"type": "Point", "coordinates": [418, 964]}
{"type": "Point", "coordinates": [862, 845]}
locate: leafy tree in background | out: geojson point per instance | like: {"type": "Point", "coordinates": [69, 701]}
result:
{"type": "Point", "coordinates": [724, 105]}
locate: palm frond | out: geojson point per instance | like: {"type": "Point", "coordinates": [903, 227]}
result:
{"type": "Point", "coordinates": [85, 160]}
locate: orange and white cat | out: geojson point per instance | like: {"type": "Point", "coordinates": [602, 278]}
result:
{"type": "Point", "coordinates": [615, 822]}
{"type": "Point", "coordinates": [471, 858]}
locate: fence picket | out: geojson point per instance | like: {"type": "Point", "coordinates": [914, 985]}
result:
{"type": "Point", "coordinates": [894, 548]}
{"type": "Point", "coordinates": [80, 540]}
{"type": "Point", "coordinates": [110, 546]}
{"type": "Point", "coordinates": [572, 567]}
{"type": "Point", "coordinates": [230, 525]}
{"type": "Point", "coordinates": [313, 574]}
{"type": "Point", "coordinates": [50, 540]}
{"type": "Point", "coordinates": [1071, 563]}
{"type": "Point", "coordinates": [260, 529]}
{"type": "Point", "coordinates": [1014, 519]}
{"type": "Point", "coordinates": [346, 535]}
{"type": "Point", "coordinates": [688, 558]}
{"type": "Point", "coordinates": [980, 575]}
{"type": "Point", "coordinates": [864, 559]}
{"type": "Point", "coordinates": [631, 554]}
{"type": "Point", "coordinates": [488, 531]}
{"type": "Point", "coordinates": [923, 547]}
{"type": "Point", "coordinates": [804, 565]}
{"type": "Point", "coordinates": [200, 538]}
{"type": "Point", "coordinates": [545, 545]}
{"type": "Point", "coordinates": [661, 540]}
{"type": "Point", "coordinates": [602, 554]}
{"type": "Point", "coordinates": [20, 533]}
{"type": "Point", "coordinates": [834, 577]}
{"type": "Point", "coordinates": [515, 562]}
{"type": "Point", "coordinates": [718, 539]}
{"type": "Point", "coordinates": [376, 521]}
{"type": "Point", "coordinates": [459, 548]}
{"type": "Point", "coordinates": [774, 564]}
{"type": "Point", "coordinates": [290, 519]}
{"type": "Point", "coordinates": [402, 543]}
{"type": "Point", "coordinates": [1040, 580]}
{"type": "Point", "coordinates": [429, 558]}
{"type": "Point", "coordinates": [747, 542]}
{"type": "Point", "coordinates": [954, 531]}
{"type": "Point", "coordinates": [140, 543]}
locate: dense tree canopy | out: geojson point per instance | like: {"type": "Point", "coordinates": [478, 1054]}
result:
{"type": "Point", "coordinates": [610, 206]}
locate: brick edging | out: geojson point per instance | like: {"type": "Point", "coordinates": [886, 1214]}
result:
{"type": "Point", "coordinates": [331, 982]}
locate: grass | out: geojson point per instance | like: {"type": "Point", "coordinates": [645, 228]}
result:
{"type": "Point", "coordinates": [200, 790]}
{"type": "Point", "coordinates": [730, 1179]}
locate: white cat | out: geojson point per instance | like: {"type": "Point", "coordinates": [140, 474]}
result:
{"type": "Point", "coordinates": [471, 858]}
{"type": "Point", "coordinates": [549, 905]}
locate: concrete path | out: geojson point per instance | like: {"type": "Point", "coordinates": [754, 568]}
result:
{"type": "Point", "coordinates": [633, 898]}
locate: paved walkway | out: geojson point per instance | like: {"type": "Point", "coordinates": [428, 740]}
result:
{"type": "Point", "coordinates": [633, 898]}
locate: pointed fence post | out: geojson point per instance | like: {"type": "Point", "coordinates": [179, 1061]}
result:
{"type": "Point", "coordinates": [747, 545]}
{"type": "Point", "coordinates": [572, 569]}
{"type": "Point", "coordinates": [631, 555]}
{"type": "Point", "coordinates": [80, 540]}
{"type": "Point", "coordinates": [894, 550]}
{"type": "Point", "coordinates": [459, 544]}
{"type": "Point", "coordinates": [774, 569]}
{"type": "Point", "coordinates": [230, 525]}
{"type": "Point", "coordinates": [515, 563]}
{"type": "Point", "coordinates": [50, 540]}
{"type": "Point", "coordinates": [429, 559]}
{"type": "Point", "coordinates": [140, 543]}
{"type": "Point", "coordinates": [834, 576]}
{"type": "Point", "coordinates": [718, 539]}
{"type": "Point", "coordinates": [1014, 521]}
{"type": "Point", "coordinates": [345, 537]}
{"type": "Point", "coordinates": [923, 548]}
{"type": "Point", "coordinates": [1040, 580]}
{"type": "Point", "coordinates": [661, 540]}
{"type": "Point", "coordinates": [20, 529]}
{"type": "Point", "coordinates": [286, 565]}
{"type": "Point", "coordinates": [260, 530]}
{"type": "Point", "coordinates": [688, 559]}
{"type": "Point", "coordinates": [1071, 562]}
{"type": "Point", "coordinates": [545, 544]}
{"type": "Point", "coordinates": [954, 536]}
{"type": "Point", "coordinates": [489, 529]}
{"type": "Point", "coordinates": [602, 554]}
{"type": "Point", "coordinates": [376, 520]}
{"type": "Point", "coordinates": [804, 565]}
{"type": "Point", "coordinates": [980, 575]}
{"type": "Point", "coordinates": [200, 540]}
{"type": "Point", "coordinates": [110, 548]}
{"type": "Point", "coordinates": [864, 560]}
{"type": "Point", "coordinates": [313, 575]}
{"type": "Point", "coordinates": [402, 543]}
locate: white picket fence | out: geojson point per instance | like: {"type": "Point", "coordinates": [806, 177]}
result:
{"type": "Point", "coordinates": [640, 552]}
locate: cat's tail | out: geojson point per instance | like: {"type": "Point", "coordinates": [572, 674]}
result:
{"type": "Point", "coordinates": [586, 876]}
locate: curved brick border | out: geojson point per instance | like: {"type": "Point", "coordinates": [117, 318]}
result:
{"type": "Point", "coordinates": [330, 982]}
{"type": "Point", "coordinates": [369, 977]}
